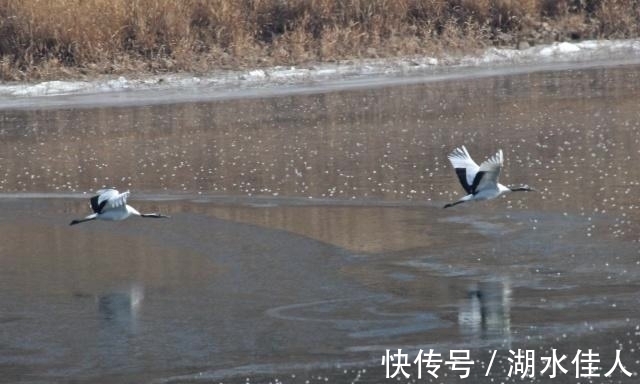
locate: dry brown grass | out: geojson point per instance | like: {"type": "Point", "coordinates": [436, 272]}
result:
{"type": "Point", "coordinates": [62, 38]}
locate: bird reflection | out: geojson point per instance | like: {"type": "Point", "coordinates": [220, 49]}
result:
{"type": "Point", "coordinates": [117, 335]}
{"type": "Point", "coordinates": [121, 307]}
{"type": "Point", "coordinates": [485, 313]}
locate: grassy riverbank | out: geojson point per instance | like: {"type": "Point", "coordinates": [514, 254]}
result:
{"type": "Point", "coordinates": [77, 38]}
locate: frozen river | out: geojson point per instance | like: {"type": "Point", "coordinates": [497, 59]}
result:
{"type": "Point", "coordinates": [308, 237]}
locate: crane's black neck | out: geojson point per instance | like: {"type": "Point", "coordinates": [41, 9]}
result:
{"type": "Point", "coordinates": [154, 215]}
{"type": "Point", "coordinates": [521, 189]}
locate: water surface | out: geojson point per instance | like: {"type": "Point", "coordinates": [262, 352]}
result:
{"type": "Point", "coordinates": [307, 234]}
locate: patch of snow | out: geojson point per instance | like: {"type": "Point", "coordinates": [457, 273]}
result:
{"type": "Point", "coordinates": [562, 48]}
{"type": "Point", "coordinates": [46, 88]}
{"type": "Point", "coordinates": [493, 59]}
{"type": "Point", "coordinates": [256, 74]}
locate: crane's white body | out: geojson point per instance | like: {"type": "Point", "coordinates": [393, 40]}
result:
{"type": "Point", "coordinates": [479, 181]}
{"type": "Point", "coordinates": [115, 207]}
{"type": "Point", "coordinates": [490, 192]}
{"type": "Point", "coordinates": [111, 205]}
{"type": "Point", "coordinates": [115, 214]}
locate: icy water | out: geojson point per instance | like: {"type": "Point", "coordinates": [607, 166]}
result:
{"type": "Point", "coordinates": [307, 234]}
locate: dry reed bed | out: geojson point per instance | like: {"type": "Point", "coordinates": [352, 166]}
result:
{"type": "Point", "coordinates": [69, 38]}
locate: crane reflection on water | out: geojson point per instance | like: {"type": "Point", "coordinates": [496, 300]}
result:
{"type": "Point", "coordinates": [485, 312]}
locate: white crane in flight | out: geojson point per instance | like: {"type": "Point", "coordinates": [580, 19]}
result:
{"type": "Point", "coordinates": [109, 204]}
{"type": "Point", "coordinates": [480, 182]}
